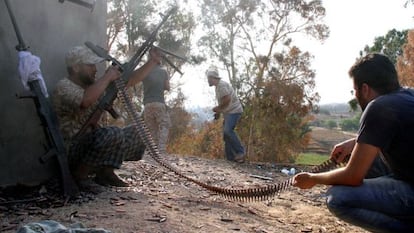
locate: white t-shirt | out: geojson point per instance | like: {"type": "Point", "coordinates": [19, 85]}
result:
{"type": "Point", "coordinates": [223, 89]}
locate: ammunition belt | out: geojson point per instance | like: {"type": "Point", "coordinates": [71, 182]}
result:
{"type": "Point", "coordinates": [239, 194]}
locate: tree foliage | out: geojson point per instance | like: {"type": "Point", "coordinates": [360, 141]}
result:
{"type": "Point", "coordinates": [405, 63]}
{"type": "Point", "coordinates": [331, 124]}
{"type": "Point", "coordinates": [180, 118]}
{"type": "Point", "coordinates": [131, 22]}
{"type": "Point", "coordinates": [253, 41]}
{"type": "Point", "coordinates": [206, 143]}
{"type": "Point", "coordinates": [350, 124]}
{"type": "Point", "coordinates": [129, 25]}
{"type": "Point", "coordinates": [389, 45]}
{"type": "Point", "coordinates": [408, 2]}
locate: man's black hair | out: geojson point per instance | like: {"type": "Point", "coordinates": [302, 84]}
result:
{"type": "Point", "coordinates": [377, 71]}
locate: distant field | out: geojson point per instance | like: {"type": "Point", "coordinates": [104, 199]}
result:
{"type": "Point", "coordinates": [322, 140]}
{"type": "Point", "coordinates": [321, 144]}
{"type": "Point", "coordinates": [311, 159]}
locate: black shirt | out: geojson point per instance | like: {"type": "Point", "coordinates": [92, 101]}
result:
{"type": "Point", "coordinates": [388, 123]}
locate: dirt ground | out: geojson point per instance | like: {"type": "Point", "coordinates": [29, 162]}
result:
{"type": "Point", "coordinates": [159, 201]}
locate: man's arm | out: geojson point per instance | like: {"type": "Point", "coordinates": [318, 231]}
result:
{"type": "Point", "coordinates": [352, 174]}
{"type": "Point", "coordinates": [141, 73]}
{"type": "Point", "coordinates": [341, 150]}
{"type": "Point", "coordinates": [94, 91]}
{"type": "Point", "coordinates": [224, 102]}
{"type": "Point", "coordinates": [167, 86]}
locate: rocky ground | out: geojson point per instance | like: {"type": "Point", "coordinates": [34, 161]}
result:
{"type": "Point", "coordinates": [159, 201]}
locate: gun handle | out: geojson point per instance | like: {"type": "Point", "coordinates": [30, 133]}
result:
{"type": "Point", "coordinates": [113, 113]}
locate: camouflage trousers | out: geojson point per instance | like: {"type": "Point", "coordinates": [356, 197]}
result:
{"type": "Point", "coordinates": [157, 119]}
{"type": "Point", "coordinates": [107, 146]}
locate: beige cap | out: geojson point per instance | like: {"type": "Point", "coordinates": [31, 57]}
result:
{"type": "Point", "coordinates": [213, 73]}
{"type": "Point", "coordinates": [82, 55]}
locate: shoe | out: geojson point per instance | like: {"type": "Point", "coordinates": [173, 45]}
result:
{"type": "Point", "coordinates": [107, 177]}
{"type": "Point", "coordinates": [239, 158]}
{"type": "Point", "coordinates": [87, 185]}
{"type": "Point", "coordinates": [81, 171]}
{"type": "Point", "coordinates": [111, 182]}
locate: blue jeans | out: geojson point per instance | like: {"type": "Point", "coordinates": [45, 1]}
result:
{"type": "Point", "coordinates": [232, 144]}
{"type": "Point", "coordinates": [381, 204]}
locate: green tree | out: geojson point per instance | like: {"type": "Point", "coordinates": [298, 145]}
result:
{"type": "Point", "coordinates": [353, 104]}
{"type": "Point", "coordinates": [252, 40]}
{"type": "Point", "coordinates": [331, 124]}
{"type": "Point", "coordinates": [350, 124]}
{"type": "Point", "coordinates": [390, 45]}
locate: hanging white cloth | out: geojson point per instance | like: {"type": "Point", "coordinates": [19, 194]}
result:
{"type": "Point", "coordinates": [29, 70]}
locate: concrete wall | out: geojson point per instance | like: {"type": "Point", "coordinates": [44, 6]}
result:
{"type": "Point", "coordinates": [50, 28]}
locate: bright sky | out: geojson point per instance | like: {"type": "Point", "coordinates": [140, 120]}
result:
{"type": "Point", "coordinates": [353, 24]}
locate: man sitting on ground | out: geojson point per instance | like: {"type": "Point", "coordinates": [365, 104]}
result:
{"type": "Point", "coordinates": [98, 151]}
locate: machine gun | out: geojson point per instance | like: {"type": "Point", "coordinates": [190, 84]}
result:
{"type": "Point", "coordinates": [105, 103]}
{"type": "Point", "coordinates": [49, 121]}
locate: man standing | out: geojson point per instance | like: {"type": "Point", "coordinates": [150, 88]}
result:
{"type": "Point", "coordinates": [229, 105]}
{"type": "Point", "coordinates": [156, 115]}
{"type": "Point", "coordinates": [384, 203]}
{"type": "Point", "coordinates": [98, 151]}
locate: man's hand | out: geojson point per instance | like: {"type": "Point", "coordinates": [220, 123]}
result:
{"type": "Point", "coordinates": [112, 73]}
{"type": "Point", "coordinates": [342, 150]}
{"type": "Point", "coordinates": [223, 103]}
{"type": "Point", "coordinates": [142, 72]}
{"type": "Point", "coordinates": [216, 116]}
{"type": "Point", "coordinates": [303, 180]}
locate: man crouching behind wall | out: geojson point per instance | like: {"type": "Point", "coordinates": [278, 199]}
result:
{"type": "Point", "coordinates": [98, 151]}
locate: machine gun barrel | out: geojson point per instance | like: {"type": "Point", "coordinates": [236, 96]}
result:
{"type": "Point", "coordinates": [166, 52]}
{"type": "Point", "coordinates": [170, 53]}
{"type": "Point", "coordinates": [172, 64]}
{"type": "Point", "coordinates": [89, 5]}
